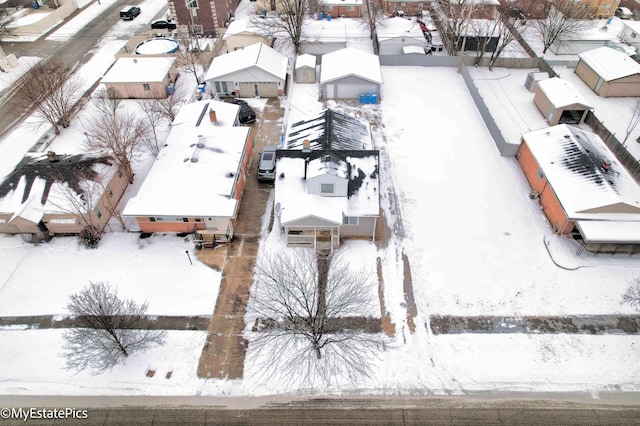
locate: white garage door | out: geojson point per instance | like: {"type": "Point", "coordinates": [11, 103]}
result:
{"type": "Point", "coordinates": [263, 90]}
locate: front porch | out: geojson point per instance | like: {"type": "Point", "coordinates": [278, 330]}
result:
{"type": "Point", "coordinates": [319, 238]}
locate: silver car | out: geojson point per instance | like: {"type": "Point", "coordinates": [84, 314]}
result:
{"type": "Point", "coordinates": [267, 164]}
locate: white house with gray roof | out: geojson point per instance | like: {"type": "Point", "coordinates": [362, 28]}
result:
{"type": "Point", "coordinates": [349, 73]}
{"type": "Point", "coordinates": [255, 71]}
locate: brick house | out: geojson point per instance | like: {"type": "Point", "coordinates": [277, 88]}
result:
{"type": "Point", "coordinates": [204, 17]}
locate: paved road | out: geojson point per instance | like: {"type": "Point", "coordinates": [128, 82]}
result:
{"type": "Point", "coordinates": [75, 52]}
{"type": "Point", "coordinates": [449, 410]}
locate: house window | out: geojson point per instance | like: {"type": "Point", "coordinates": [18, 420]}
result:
{"type": "Point", "coordinates": [222, 87]}
{"type": "Point", "coordinates": [633, 35]}
{"type": "Point", "coordinates": [351, 8]}
{"type": "Point", "coordinates": [196, 29]}
{"type": "Point", "coordinates": [185, 219]}
{"type": "Point", "coordinates": [326, 188]}
{"type": "Point", "coordinates": [329, 8]}
{"type": "Point", "coordinates": [146, 86]}
{"type": "Point", "coordinates": [198, 220]}
{"type": "Point", "coordinates": [98, 213]}
{"type": "Point", "coordinates": [349, 220]}
{"type": "Point", "coordinates": [191, 4]}
{"type": "Point", "coordinates": [607, 6]}
{"type": "Point", "coordinates": [119, 173]}
{"type": "Point", "coordinates": [540, 6]}
{"type": "Point", "coordinates": [540, 174]}
{"type": "Point", "coordinates": [110, 193]}
{"type": "Point", "coordinates": [152, 219]}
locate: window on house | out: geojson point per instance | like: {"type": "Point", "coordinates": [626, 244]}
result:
{"type": "Point", "coordinates": [119, 173]}
{"type": "Point", "coordinates": [329, 8]}
{"type": "Point", "coordinates": [146, 86]}
{"type": "Point", "coordinates": [110, 193]}
{"type": "Point", "coordinates": [326, 188]}
{"type": "Point", "coordinates": [185, 219]}
{"type": "Point", "coordinates": [351, 8]}
{"type": "Point", "coordinates": [98, 213]}
{"type": "Point", "coordinates": [607, 6]}
{"type": "Point", "coordinates": [540, 6]}
{"type": "Point", "coordinates": [191, 4]}
{"type": "Point", "coordinates": [152, 219]}
{"type": "Point", "coordinates": [349, 220]}
{"type": "Point", "coordinates": [540, 174]}
{"type": "Point", "coordinates": [196, 29]}
{"type": "Point", "coordinates": [633, 35]}
{"type": "Point", "coordinates": [198, 220]}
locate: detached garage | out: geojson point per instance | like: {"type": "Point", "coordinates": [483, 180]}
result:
{"type": "Point", "coordinates": [559, 102]}
{"type": "Point", "coordinates": [255, 71]}
{"type": "Point", "coordinates": [609, 73]}
{"type": "Point", "coordinates": [349, 73]}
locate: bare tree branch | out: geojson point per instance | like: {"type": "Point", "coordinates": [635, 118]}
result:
{"type": "Point", "coordinates": [288, 20]}
{"type": "Point", "coordinates": [633, 121]}
{"type": "Point", "coordinates": [565, 18]}
{"type": "Point", "coordinates": [51, 90]}
{"type": "Point", "coordinates": [632, 295]}
{"type": "Point", "coordinates": [110, 330]}
{"type": "Point", "coordinates": [301, 302]}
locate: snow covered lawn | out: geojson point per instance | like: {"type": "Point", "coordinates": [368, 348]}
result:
{"type": "Point", "coordinates": [38, 279]}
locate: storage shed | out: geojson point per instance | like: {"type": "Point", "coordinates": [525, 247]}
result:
{"type": "Point", "coordinates": [349, 73]}
{"type": "Point", "coordinates": [141, 77]}
{"type": "Point", "coordinates": [305, 69]}
{"type": "Point", "coordinates": [240, 34]}
{"type": "Point", "coordinates": [396, 33]}
{"type": "Point", "coordinates": [609, 72]}
{"type": "Point", "coordinates": [255, 71]}
{"type": "Point", "coordinates": [559, 102]}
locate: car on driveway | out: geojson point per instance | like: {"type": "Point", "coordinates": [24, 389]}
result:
{"type": "Point", "coordinates": [267, 164]}
{"type": "Point", "coordinates": [163, 25]}
{"type": "Point", "coordinates": [623, 13]}
{"type": "Point", "coordinates": [129, 13]}
{"type": "Point", "coordinates": [246, 113]}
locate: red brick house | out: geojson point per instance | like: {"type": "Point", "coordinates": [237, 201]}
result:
{"type": "Point", "coordinates": [207, 17]}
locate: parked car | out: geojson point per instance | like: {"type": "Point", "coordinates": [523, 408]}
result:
{"type": "Point", "coordinates": [163, 25]}
{"type": "Point", "coordinates": [267, 164]}
{"type": "Point", "coordinates": [246, 113]}
{"type": "Point", "coordinates": [129, 13]}
{"type": "Point", "coordinates": [623, 13]}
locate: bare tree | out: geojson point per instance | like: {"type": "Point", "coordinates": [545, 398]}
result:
{"type": "Point", "coordinates": [108, 100]}
{"type": "Point", "coordinates": [51, 90]}
{"type": "Point", "coordinates": [633, 121]}
{"type": "Point", "coordinates": [109, 329]}
{"type": "Point", "coordinates": [484, 30]}
{"type": "Point", "coordinates": [303, 306]}
{"type": "Point", "coordinates": [632, 295]}
{"type": "Point", "coordinates": [455, 17]}
{"type": "Point", "coordinates": [288, 22]}
{"type": "Point", "coordinates": [375, 16]}
{"type": "Point", "coordinates": [5, 20]}
{"type": "Point", "coordinates": [506, 32]}
{"type": "Point", "coordinates": [121, 134]}
{"type": "Point", "coordinates": [565, 18]}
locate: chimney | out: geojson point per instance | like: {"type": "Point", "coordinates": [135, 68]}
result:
{"type": "Point", "coordinates": [306, 145]}
{"type": "Point", "coordinates": [306, 164]}
{"type": "Point", "coordinates": [51, 155]}
{"type": "Point", "coordinates": [212, 116]}
{"type": "Point", "coordinates": [606, 165]}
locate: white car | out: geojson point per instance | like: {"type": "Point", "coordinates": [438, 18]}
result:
{"type": "Point", "coordinates": [623, 13]}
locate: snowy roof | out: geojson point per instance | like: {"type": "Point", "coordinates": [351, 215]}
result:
{"type": "Point", "coordinates": [240, 26]}
{"type": "Point", "coordinates": [413, 49]}
{"type": "Point", "coordinates": [39, 185]}
{"type": "Point", "coordinates": [350, 62]}
{"type": "Point", "coordinates": [305, 60]}
{"type": "Point", "coordinates": [633, 25]}
{"type": "Point", "coordinates": [610, 64]}
{"type": "Point", "coordinates": [328, 164]}
{"type": "Point", "coordinates": [561, 93]}
{"type": "Point", "coordinates": [572, 160]}
{"type": "Point", "coordinates": [329, 130]}
{"type": "Point", "coordinates": [336, 30]}
{"type": "Point", "coordinates": [609, 232]}
{"type": "Point", "coordinates": [194, 173]}
{"type": "Point", "coordinates": [397, 27]}
{"type": "Point", "coordinates": [296, 203]}
{"type": "Point", "coordinates": [138, 70]}
{"type": "Point", "coordinates": [257, 55]}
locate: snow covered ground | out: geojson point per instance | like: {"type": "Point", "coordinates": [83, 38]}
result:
{"type": "Point", "coordinates": [476, 245]}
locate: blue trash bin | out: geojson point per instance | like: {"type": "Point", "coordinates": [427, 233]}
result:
{"type": "Point", "coordinates": [328, 17]}
{"type": "Point", "coordinates": [367, 98]}
{"type": "Point", "coordinates": [35, 5]}
{"type": "Point", "coordinates": [320, 16]}
{"type": "Point", "coordinates": [374, 98]}
{"type": "Point", "coordinates": [171, 89]}
{"type": "Point", "coordinates": [361, 98]}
